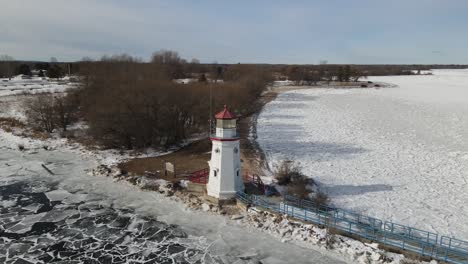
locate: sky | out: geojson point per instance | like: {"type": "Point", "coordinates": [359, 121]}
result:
{"type": "Point", "coordinates": [245, 31]}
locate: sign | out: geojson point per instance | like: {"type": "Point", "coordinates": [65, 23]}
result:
{"type": "Point", "coordinates": [169, 167]}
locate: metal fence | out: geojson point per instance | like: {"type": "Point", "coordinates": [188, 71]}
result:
{"type": "Point", "coordinates": [421, 242]}
{"type": "Point", "coordinates": [200, 176]}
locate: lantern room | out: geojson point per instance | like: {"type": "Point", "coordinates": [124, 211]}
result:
{"type": "Point", "coordinates": [226, 125]}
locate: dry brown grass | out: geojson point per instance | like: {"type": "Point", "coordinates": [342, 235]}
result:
{"type": "Point", "coordinates": [40, 135]}
{"type": "Point", "coordinates": [189, 159]}
{"type": "Point", "coordinates": [8, 123]}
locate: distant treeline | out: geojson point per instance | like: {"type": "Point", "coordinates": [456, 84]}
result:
{"type": "Point", "coordinates": [182, 68]}
{"type": "Point", "coordinates": [53, 69]}
{"type": "Point", "coordinates": [129, 103]}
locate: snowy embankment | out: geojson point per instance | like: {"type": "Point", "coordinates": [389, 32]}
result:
{"type": "Point", "coordinates": [398, 154]}
{"type": "Point", "coordinates": [208, 238]}
{"type": "Point", "coordinates": [83, 201]}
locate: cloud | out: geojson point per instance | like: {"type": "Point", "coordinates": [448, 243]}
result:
{"type": "Point", "coordinates": [361, 31]}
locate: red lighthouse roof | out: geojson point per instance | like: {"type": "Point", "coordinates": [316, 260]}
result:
{"type": "Point", "coordinates": [225, 114]}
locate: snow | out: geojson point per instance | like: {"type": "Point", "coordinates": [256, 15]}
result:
{"type": "Point", "coordinates": [283, 83]}
{"type": "Point", "coordinates": [221, 238]}
{"type": "Point", "coordinates": [34, 85]}
{"type": "Point", "coordinates": [186, 80]}
{"type": "Point", "coordinates": [397, 153]}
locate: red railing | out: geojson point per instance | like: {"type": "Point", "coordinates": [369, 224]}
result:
{"type": "Point", "coordinates": [255, 180]}
{"type": "Point", "coordinates": [200, 176]}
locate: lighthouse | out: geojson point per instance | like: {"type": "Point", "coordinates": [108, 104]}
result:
{"type": "Point", "coordinates": [225, 177]}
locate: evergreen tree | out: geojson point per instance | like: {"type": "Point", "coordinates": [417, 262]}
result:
{"type": "Point", "coordinates": [340, 74]}
{"type": "Point", "coordinates": [347, 73]}
{"type": "Point", "coordinates": [54, 72]}
{"type": "Point", "coordinates": [23, 69]}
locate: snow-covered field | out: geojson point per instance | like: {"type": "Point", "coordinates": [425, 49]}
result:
{"type": "Point", "coordinates": [14, 92]}
{"type": "Point", "coordinates": [17, 85]}
{"type": "Point", "coordinates": [399, 154]}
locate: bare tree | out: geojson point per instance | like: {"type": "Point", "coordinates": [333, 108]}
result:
{"type": "Point", "coordinates": [133, 105]}
{"type": "Point", "coordinates": [5, 57]}
{"type": "Point", "coordinates": [40, 112]}
{"type": "Point", "coordinates": [65, 110]}
{"type": "Point", "coordinates": [357, 74]}
{"type": "Point", "coordinates": [47, 112]}
{"type": "Point", "coordinates": [171, 61]}
{"type": "Point", "coordinates": [166, 57]}
{"type": "Point", "coordinates": [323, 62]}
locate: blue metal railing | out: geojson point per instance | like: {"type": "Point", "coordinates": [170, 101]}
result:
{"type": "Point", "coordinates": [422, 242]}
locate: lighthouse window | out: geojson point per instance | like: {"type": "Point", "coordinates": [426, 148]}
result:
{"type": "Point", "coordinates": [217, 150]}
{"type": "Point", "coordinates": [237, 172]}
{"type": "Point", "coordinates": [236, 150]}
{"type": "Point", "coordinates": [215, 173]}
{"type": "Point", "coordinates": [226, 123]}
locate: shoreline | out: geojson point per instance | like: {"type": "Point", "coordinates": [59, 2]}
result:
{"type": "Point", "coordinates": [254, 158]}
{"type": "Point", "coordinates": [284, 229]}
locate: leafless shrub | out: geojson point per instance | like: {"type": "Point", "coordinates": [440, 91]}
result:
{"type": "Point", "coordinates": [47, 112]}
{"type": "Point", "coordinates": [285, 171]}
{"type": "Point", "coordinates": [40, 112]}
{"type": "Point", "coordinates": [321, 199]}
{"type": "Point", "coordinates": [65, 110]}
{"type": "Point", "coordinates": [289, 174]}
{"type": "Point", "coordinates": [298, 186]}
{"type": "Point", "coordinates": [10, 122]}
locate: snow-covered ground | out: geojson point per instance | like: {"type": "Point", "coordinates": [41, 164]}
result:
{"type": "Point", "coordinates": [74, 216]}
{"type": "Point", "coordinates": [399, 153]}
{"type": "Point", "coordinates": [18, 85]}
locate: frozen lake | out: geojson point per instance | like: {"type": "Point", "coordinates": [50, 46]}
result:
{"type": "Point", "coordinates": [71, 217]}
{"type": "Point", "coordinates": [398, 154]}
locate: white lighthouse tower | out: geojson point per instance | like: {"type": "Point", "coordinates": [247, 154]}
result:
{"type": "Point", "coordinates": [225, 177]}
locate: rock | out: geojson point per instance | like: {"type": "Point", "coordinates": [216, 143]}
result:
{"type": "Point", "coordinates": [132, 180]}
{"type": "Point", "coordinates": [115, 171]}
{"type": "Point", "coordinates": [237, 217]}
{"type": "Point", "coordinates": [205, 207]}
{"type": "Point", "coordinates": [165, 189]}
{"type": "Point", "coordinates": [375, 256]}
{"type": "Point", "coordinates": [101, 170]}
{"type": "Point", "coordinates": [194, 199]}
